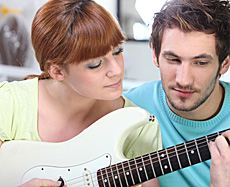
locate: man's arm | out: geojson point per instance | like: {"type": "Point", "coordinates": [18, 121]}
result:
{"type": "Point", "coordinates": [220, 161]}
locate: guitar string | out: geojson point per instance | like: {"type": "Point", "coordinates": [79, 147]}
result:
{"type": "Point", "coordinates": [210, 137]}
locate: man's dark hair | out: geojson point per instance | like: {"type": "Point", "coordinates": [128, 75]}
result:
{"type": "Point", "coordinates": [207, 16]}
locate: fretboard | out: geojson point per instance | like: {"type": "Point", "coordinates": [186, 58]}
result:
{"type": "Point", "coordinates": [146, 167]}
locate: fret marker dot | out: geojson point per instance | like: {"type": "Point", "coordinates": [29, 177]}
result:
{"type": "Point", "coordinates": [105, 180]}
{"type": "Point", "coordinates": [192, 152]}
{"type": "Point", "coordinates": [116, 177]}
{"type": "Point", "coordinates": [127, 173]}
{"type": "Point", "coordinates": [140, 169]}
{"type": "Point", "coordinates": [166, 167]}
{"type": "Point", "coordinates": [162, 155]}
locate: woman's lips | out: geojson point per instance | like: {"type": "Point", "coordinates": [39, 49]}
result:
{"type": "Point", "coordinates": [115, 85]}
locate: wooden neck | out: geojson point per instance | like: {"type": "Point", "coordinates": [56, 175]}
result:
{"type": "Point", "coordinates": [149, 166]}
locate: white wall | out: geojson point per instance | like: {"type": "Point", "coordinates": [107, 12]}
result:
{"type": "Point", "coordinates": [110, 5]}
{"type": "Point", "coordinates": [138, 56]}
{"type": "Point", "coordinates": [226, 76]}
{"type": "Point", "coordinates": [138, 62]}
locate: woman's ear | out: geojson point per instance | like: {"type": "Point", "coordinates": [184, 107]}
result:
{"type": "Point", "coordinates": [225, 65]}
{"type": "Point", "coordinates": [155, 61]}
{"type": "Point", "coordinates": [56, 72]}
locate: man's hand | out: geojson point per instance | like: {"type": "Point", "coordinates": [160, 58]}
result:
{"type": "Point", "coordinates": [220, 161]}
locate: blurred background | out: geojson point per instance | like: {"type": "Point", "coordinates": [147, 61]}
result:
{"type": "Point", "coordinates": [17, 57]}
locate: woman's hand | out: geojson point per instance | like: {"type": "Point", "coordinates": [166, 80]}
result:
{"type": "Point", "coordinates": [41, 183]}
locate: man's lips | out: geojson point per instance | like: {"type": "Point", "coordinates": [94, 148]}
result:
{"type": "Point", "coordinates": [184, 93]}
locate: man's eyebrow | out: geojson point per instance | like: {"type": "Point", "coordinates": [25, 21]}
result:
{"type": "Point", "coordinates": [165, 53]}
{"type": "Point", "coordinates": [203, 55]}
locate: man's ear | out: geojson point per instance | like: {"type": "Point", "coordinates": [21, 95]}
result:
{"type": "Point", "coordinates": [225, 65]}
{"type": "Point", "coordinates": [155, 61]}
{"type": "Point", "coordinates": [56, 72]}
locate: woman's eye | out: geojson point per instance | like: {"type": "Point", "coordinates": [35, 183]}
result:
{"type": "Point", "coordinates": [118, 51]}
{"type": "Point", "coordinates": [96, 65]}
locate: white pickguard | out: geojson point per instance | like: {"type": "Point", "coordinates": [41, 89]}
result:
{"type": "Point", "coordinates": [96, 147]}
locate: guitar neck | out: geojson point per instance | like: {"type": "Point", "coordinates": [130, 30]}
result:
{"type": "Point", "coordinates": [149, 166]}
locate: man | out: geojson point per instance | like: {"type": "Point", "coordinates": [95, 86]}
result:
{"type": "Point", "coordinates": [191, 47]}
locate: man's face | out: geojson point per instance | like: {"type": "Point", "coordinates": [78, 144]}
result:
{"type": "Point", "coordinates": [189, 69]}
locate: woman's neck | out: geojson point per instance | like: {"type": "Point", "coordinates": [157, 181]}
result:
{"type": "Point", "coordinates": [62, 110]}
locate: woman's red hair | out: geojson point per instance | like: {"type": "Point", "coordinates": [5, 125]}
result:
{"type": "Point", "coordinates": [72, 31]}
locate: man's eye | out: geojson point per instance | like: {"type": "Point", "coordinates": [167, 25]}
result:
{"type": "Point", "coordinates": [201, 63]}
{"type": "Point", "coordinates": [118, 51]}
{"type": "Point", "coordinates": [173, 59]}
{"type": "Point", "coordinates": [96, 65]}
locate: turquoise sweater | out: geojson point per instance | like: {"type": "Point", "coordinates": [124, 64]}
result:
{"type": "Point", "coordinates": [176, 130]}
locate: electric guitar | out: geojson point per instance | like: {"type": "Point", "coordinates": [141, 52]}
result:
{"type": "Point", "coordinates": [95, 156]}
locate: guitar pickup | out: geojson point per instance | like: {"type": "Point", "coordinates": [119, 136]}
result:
{"type": "Point", "coordinates": [88, 178]}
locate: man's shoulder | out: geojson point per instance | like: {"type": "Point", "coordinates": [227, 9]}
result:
{"type": "Point", "coordinates": [147, 90]}
{"type": "Point", "coordinates": [145, 86]}
{"type": "Point", "coordinates": [224, 83]}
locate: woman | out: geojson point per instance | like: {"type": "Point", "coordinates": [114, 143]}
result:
{"type": "Point", "coordinates": [78, 46]}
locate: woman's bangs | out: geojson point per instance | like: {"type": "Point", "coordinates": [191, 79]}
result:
{"type": "Point", "coordinates": [96, 37]}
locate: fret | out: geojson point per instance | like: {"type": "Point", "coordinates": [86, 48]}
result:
{"type": "Point", "coordinates": [173, 159]}
{"type": "Point", "coordinates": [102, 178]}
{"type": "Point", "coordinates": [186, 151]}
{"type": "Point", "coordinates": [149, 170]}
{"type": "Point", "coordinates": [114, 176]}
{"type": "Point", "coordinates": [152, 168]}
{"type": "Point", "coordinates": [178, 159]}
{"type": "Point", "coordinates": [135, 173]}
{"type": "Point", "coordinates": [182, 155]}
{"type": "Point", "coordinates": [168, 160]}
{"type": "Point", "coordinates": [128, 173]}
{"type": "Point", "coordinates": [212, 137]}
{"type": "Point", "coordinates": [206, 138]}
{"type": "Point", "coordinates": [131, 173]}
{"type": "Point", "coordinates": [156, 164]}
{"type": "Point", "coordinates": [198, 152]}
{"type": "Point", "coordinates": [160, 163]}
{"type": "Point", "coordinates": [162, 155]}
{"type": "Point", "coordinates": [192, 152]}
{"type": "Point", "coordinates": [137, 169]}
{"type": "Point", "coordinates": [121, 174]}
{"type": "Point", "coordinates": [107, 182]}
{"type": "Point", "coordinates": [117, 176]}
{"type": "Point", "coordinates": [143, 163]}
{"type": "Point", "coordinates": [125, 174]}
{"type": "Point", "coordinates": [203, 148]}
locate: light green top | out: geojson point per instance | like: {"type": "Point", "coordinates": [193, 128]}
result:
{"type": "Point", "coordinates": [18, 119]}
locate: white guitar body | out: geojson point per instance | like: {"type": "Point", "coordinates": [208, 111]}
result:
{"type": "Point", "coordinates": [76, 160]}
